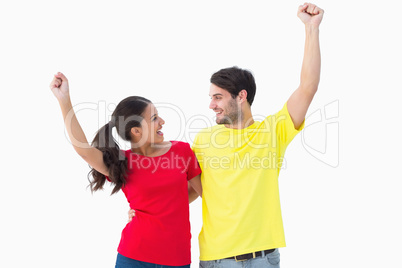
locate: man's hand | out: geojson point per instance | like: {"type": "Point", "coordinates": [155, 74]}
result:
{"type": "Point", "coordinates": [131, 214]}
{"type": "Point", "coordinates": [310, 14]}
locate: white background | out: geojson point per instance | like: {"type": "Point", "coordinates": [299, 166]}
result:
{"type": "Point", "coordinates": [344, 214]}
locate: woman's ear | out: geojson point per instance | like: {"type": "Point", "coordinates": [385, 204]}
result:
{"type": "Point", "coordinates": [136, 131]}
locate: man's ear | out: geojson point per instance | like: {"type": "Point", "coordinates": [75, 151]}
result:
{"type": "Point", "coordinates": [242, 96]}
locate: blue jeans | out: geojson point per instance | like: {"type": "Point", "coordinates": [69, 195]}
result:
{"type": "Point", "coordinates": [124, 262]}
{"type": "Point", "coordinates": [271, 260]}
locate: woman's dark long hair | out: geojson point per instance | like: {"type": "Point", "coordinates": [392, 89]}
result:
{"type": "Point", "coordinates": [128, 114]}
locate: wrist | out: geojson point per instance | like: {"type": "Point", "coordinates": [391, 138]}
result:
{"type": "Point", "coordinates": [65, 101]}
{"type": "Point", "coordinates": [311, 27]}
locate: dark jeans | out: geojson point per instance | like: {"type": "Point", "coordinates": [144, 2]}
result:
{"type": "Point", "coordinates": [124, 262]}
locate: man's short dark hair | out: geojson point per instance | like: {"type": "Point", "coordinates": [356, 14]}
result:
{"type": "Point", "coordinates": [234, 80]}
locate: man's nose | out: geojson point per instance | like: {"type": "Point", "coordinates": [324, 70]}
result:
{"type": "Point", "coordinates": [212, 104]}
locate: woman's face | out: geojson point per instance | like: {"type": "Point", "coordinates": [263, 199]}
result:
{"type": "Point", "coordinates": [151, 126]}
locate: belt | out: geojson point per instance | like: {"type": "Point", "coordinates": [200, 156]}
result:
{"type": "Point", "coordinates": [252, 255]}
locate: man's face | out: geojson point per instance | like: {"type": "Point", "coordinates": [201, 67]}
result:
{"type": "Point", "coordinates": [226, 108]}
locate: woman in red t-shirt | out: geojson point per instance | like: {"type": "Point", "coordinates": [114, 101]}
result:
{"type": "Point", "coordinates": [154, 175]}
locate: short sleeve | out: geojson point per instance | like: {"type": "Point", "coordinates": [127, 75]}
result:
{"type": "Point", "coordinates": [281, 125]}
{"type": "Point", "coordinates": [193, 168]}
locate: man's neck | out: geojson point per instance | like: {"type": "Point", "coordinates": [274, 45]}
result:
{"type": "Point", "coordinates": [244, 122]}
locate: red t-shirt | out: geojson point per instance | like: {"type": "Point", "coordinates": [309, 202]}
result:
{"type": "Point", "coordinates": [157, 190]}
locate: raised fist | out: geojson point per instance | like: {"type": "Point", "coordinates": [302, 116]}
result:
{"type": "Point", "coordinates": [59, 86]}
{"type": "Point", "coordinates": [310, 14]}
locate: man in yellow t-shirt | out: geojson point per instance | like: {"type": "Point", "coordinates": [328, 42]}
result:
{"type": "Point", "coordinates": [241, 158]}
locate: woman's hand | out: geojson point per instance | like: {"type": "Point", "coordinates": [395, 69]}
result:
{"type": "Point", "coordinates": [59, 87]}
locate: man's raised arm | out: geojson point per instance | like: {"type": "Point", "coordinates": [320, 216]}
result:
{"type": "Point", "coordinates": [300, 100]}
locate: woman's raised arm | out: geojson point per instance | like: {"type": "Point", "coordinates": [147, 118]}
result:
{"type": "Point", "coordinates": [92, 155]}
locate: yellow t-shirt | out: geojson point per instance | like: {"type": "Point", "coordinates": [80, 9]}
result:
{"type": "Point", "coordinates": [240, 204]}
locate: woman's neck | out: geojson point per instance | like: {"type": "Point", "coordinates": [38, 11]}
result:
{"type": "Point", "coordinates": [151, 149]}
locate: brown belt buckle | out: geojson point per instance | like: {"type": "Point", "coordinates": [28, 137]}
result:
{"type": "Point", "coordinates": [244, 259]}
{"type": "Point", "coordinates": [239, 260]}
